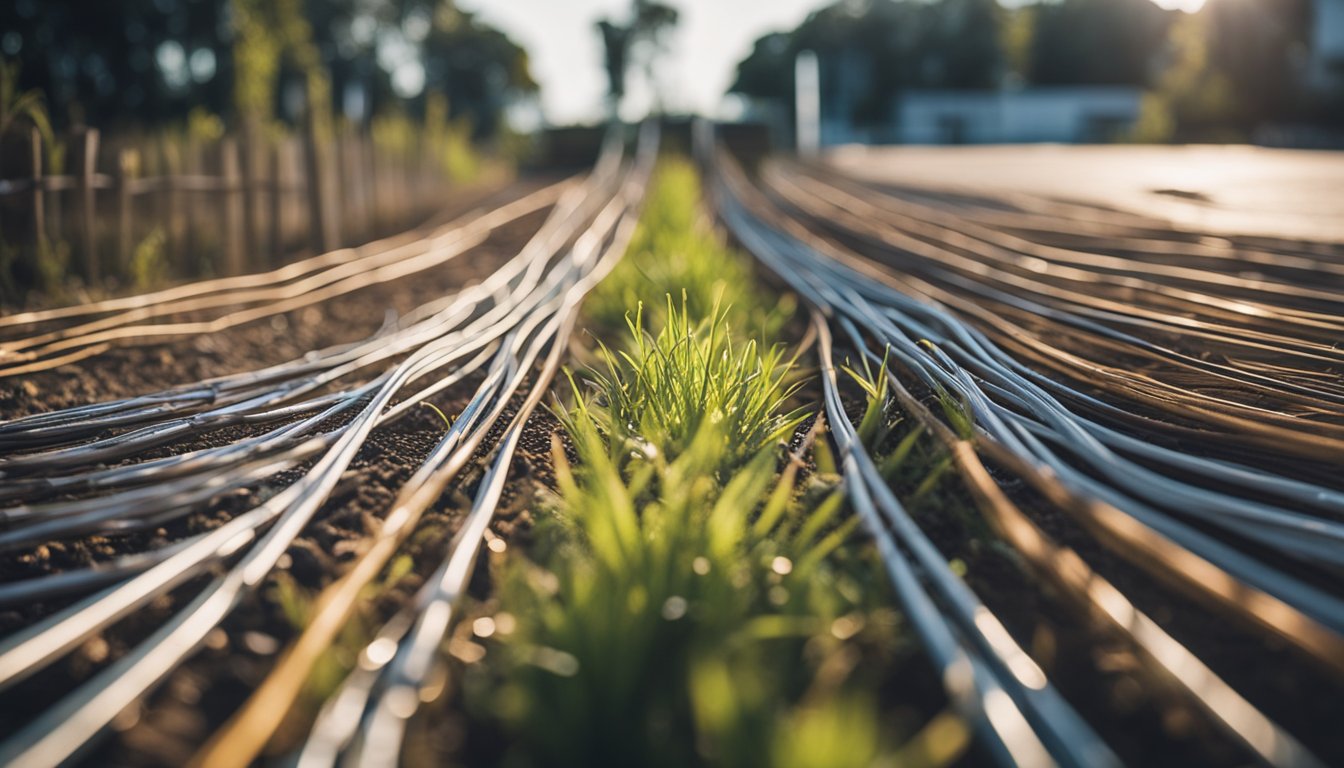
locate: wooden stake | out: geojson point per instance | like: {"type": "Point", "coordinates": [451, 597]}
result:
{"type": "Point", "coordinates": [234, 234]}
{"type": "Point", "coordinates": [128, 163]}
{"type": "Point", "coordinates": [277, 191]}
{"type": "Point", "coordinates": [39, 219]}
{"type": "Point", "coordinates": [87, 161]}
{"type": "Point", "coordinates": [250, 186]}
{"type": "Point", "coordinates": [168, 170]}
{"type": "Point", "coordinates": [317, 213]}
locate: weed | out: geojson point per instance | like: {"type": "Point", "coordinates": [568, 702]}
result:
{"type": "Point", "coordinates": [913, 462]}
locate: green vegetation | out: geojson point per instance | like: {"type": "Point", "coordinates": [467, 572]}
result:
{"type": "Point", "coordinates": [687, 600]}
{"type": "Point", "coordinates": [26, 110]}
{"type": "Point", "coordinates": [436, 139]}
{"type": "Point", "coordinates": [243, 59]}
{"type": "Point", "coordinates": [1191, 98]}
{"type": "Point", "coordinates": [685, 385]}
{"type": "Point", "coordinates": [922, 473]}
{"type": "Point", "coordinates": [295, 604]}
{"type": "Point", "coordinates": [149, 264]}
{"type": "Point", "coordinates": [676, 253]}
{"type": "Point", "coordinates": [240, 88]}
{"type": "Point", "coordinates": [20, 106]}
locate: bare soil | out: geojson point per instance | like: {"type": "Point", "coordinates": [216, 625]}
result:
{"type": "Point", "coordinates": [198, 697]}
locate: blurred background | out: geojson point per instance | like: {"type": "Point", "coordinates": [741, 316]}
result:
{"type": "Point", "coordinates": [1267, 71]}
{"type": "Point", "coordinates": [305, 124]}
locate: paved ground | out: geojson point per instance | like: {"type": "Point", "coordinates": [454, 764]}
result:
{"type": "Point", "coordinates": [1228, 189]}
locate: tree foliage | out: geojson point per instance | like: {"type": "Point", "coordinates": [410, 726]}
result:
{"type": "Point", "coordinates": [1215, 74]}
{"type": "Point", "coordinates": [895, 45]}
{"type": "Point", "coordinates": [1096, 42]}
{"type": "Point", "coordinates": [148, 62]}
{"type": "Point", "coordinates": [102, 61]}
{"type": "Point", "coordinates": [476, 67]}
{"type": "Point", "coordinates": [19, 107]}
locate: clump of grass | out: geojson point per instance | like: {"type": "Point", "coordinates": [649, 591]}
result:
{"type": "Point", "coordinates": [676, 590]}
{"type": "Point", "coordinates": [688, 598]}
{"type": "Point", "coordinates": [916, 466]}
{"type": "Point", "coordinates": [670, 385]}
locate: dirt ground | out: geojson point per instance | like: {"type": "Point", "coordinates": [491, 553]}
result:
{"type": "Point", "coordinates": [1105, 680]}
{"type": "Point", "coordinates": [199, 696]}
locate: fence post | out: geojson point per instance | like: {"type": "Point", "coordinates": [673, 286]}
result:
{"type": "Point", "coordinates": [341, 202]}
{"type": "Point", "coordinates": [251, 218]}
{"type": "Point", "coordinates": [87, 161]}
{"type": "Point", "coordinates": [39, 218]}
{"type": "Point", "coordinates": [368, 154]}
{"type": "Point", "coordinates": [127, 164]}
{"type": "Point", "coordinates": [168, 169]}
{"type": "Point", "coordinates": [359, 187]}
{"type": "Point", "coordinates": [192, 241]}
{"type": "Point", "coordinates": [317, 212]}
{"type": "Point", "coordinates": [410, 206]}
{"type": "Point", "coordinates": [277, 189]}
{"type": "Point", "coordinates": [233, 215]}
{"type": "Point", "coordinates": [350, 195]}
{"type": "Point", "coordinates": [424, 163]}
{"type": "Point", "coordinates": [395, 157]}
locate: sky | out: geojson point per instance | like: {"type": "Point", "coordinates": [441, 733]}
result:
{"type": "Point", "coordinates": [712, 37]}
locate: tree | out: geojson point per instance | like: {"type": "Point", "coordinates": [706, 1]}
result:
{"type": "Point", "coordinates": [477, 68]}
{"type": "Point", "coordinates": [1192, 100]}
{"type": "Point", "coordinates": [646, 28]}
{"type": "Point", "coordinates": [879, 48]}
{"type": "Point", "coordinates": [1016, 39]}
{"type": "Point", "coordinates": [1097, 42]}
{"type": "Point", "coordinates": [268, 36]}
{"type": "Point", "coordinates": [969, 34]}
{"type": "Point", "coordinates": [148, 62]}
{"type": "Point", "coordinates": [395, 55]}
{"type": "Point", "coordinates": [1256, 45]}
{"type": "Point", "coordinates": [121, 61]}
{"type": "Point", "coordinates": [615, 48]}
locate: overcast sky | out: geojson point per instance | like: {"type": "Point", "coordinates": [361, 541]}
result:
{"type": "Point", "coordinates": [713, 36]}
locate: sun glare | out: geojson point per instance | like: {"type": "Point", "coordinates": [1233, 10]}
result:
{"type": "Point", "coordinates": [1189, 6]}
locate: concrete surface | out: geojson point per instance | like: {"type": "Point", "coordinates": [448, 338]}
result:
{"type": "Point", "coordinates": [1220, 189]}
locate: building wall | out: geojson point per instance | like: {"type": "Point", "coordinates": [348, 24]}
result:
{"type": "Point", "coordinates": [845, 78]}
{"type": "Point", "coordinates": [1064, 115]}
{"type": "Point", "coordinates": [1327, 44]}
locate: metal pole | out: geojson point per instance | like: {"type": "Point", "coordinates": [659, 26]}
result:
{"type": "Point", "coordinates": [807, 103]}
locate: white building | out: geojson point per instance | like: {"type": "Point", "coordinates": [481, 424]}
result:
{"type": "Point", "coordinates": [1063, 115]}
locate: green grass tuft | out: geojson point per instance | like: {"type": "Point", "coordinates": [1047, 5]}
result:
{"type": "Point", "coordinates": [688, 597]}
{"type": "Point", "coordinates": [683, 573]}
{"type": "Point", "coordinates": [688, 382]}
